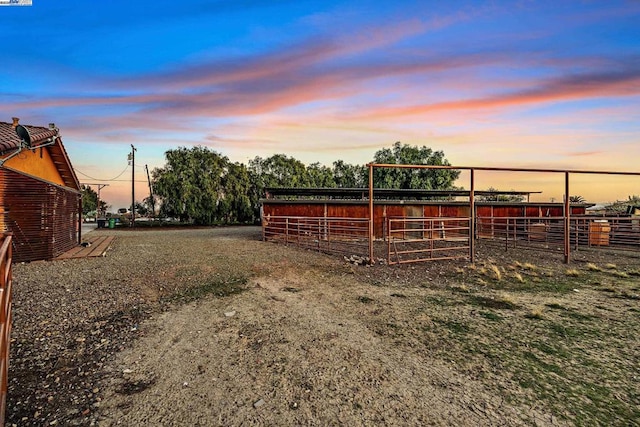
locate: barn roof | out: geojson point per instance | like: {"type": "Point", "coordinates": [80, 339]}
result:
{"type": "Point", "coordinates": [384, 193]}
{"type": "Point", "coordinates": [10, 142]}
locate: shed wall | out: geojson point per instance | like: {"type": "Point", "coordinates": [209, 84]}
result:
{"type": "Point", "coordinates": [42, 217]}
{"type": "Point", "coordinates": [407, 209]}
{"type": "Point", "coordinates": [36, 162]}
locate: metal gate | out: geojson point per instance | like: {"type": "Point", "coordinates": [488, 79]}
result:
{"type": "Point", "coordinates": [346, 236]}
{"type": "Point", "coordinates": [427, 239]}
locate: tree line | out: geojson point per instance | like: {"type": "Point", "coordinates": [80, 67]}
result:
{"type": "Point", "coordinates": [203, 187]}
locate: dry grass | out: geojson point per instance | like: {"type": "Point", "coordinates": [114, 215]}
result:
{"type": "Point", "coordinates": [536, 313]}
{"type": "Point", "coordinates": [496, 273]}
{"type": "Point", "coordinates": [611, 266]}
{"type": "Point", "coordinates": [572, 272]}
{"type": "Point", "coordinates": [518, 277]}
{"type": "Point", "coordinates": [506, 299]}
{"type": "Point", "coordinates": [592, 267]}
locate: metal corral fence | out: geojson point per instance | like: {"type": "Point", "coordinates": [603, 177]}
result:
{"type": "Point", "coordinates": [427, 239]}
{"type": "Point", "coordinates": [5, 318]}
{"type": "Point", "coordinates": [346, 236]}
{"type": "Point", "coordinates": [547, 233]}
{"type": "Point", "coordinates": [418, 239]}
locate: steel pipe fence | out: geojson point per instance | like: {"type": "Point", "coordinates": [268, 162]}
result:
{"type": "Point", "coordinates": [548, 233]}
{"type": "Point", "coordinates": [419, 239]}
{"type": "Point", "coordinates": [6, 252]}
{"type": "Point", "coordinates": [346, 236]}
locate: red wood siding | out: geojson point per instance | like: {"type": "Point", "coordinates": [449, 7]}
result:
{"type": "Point", "coordinates": [383, 210]}
{"type": "Point", "coordinates": [42, 217]}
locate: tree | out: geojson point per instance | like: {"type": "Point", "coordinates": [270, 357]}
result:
{"type": "Point", "coordinates": [320, 176]}
{"type": "Point", "coordinates": [189, 185]}
{"type": "Point", "coordinates": [102, 207]}
{"type": "Point", "coordinates": [236, 205]}
{"type": "Point", "coordinates": [150, 203]}
{"type": "Point", "coordinates": [576, 199]}
{"type": "Point", "coordinates": [141, 208]}
{"type": "Point", "coordinates": [89, 199]}
{"type": "Point", "coordinates": [501, 197]}
{"type": "Point", "coordinates": [429, 179]}
{"type": "Point", "coordinates": [279, 171]}
{"type": "Point", "coordinates": [275, 171]}
{"type": "Point", "coordinates": [346, 175]}
{"type": "Point", "coordinates": [622, 206]}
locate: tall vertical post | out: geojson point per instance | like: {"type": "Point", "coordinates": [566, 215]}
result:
{"type": "Point", "coordinates": [133, 186]}
{"type": "Point", "coordinates": [567, 219]}
{"type": "Point", "coordinates": [472, 217]}
{"type": "Point", "coordinates": [371, 229]}
{"type": "Point", "coordinates": [153, 203]}
{"type": "Point", "coordinates": [80, 220]}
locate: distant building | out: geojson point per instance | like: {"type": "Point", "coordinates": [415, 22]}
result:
{"type": "Point", "coordinates": [40, 196]}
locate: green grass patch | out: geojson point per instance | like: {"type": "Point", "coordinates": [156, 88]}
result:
{"type": "Point", "coordinates": [552, 349]}
{"type": "Point", "coordinates": [398, 295]}
{"type": "Point", "coordinates": [441, 301]}
{"type": "Point", "coordinates": [365, 299]}
{"type": "Point", "coordinates": [217, 287]}
{"type": "Point", "coordinates": [561, 330]}
{"type": "Point", "coordinates": [497, 303]}
{"type": "Point", "coordinates": [555, 306]}
{"type": "Point", "coordinates": [458, 328]}
{"type": "Point", "coordinates": [188, 271]}
{"type": "Point", "coordinates": [490, 315]}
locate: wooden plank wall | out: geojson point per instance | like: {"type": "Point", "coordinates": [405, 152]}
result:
{"type": "Point", "coordinates": [42, 217]}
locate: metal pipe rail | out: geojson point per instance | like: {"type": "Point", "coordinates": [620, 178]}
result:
{"type": "Point", "coordinates": [348, 236]}
{"type": "Point", "coordinates": [6, 280]}
{"type": "Point", "coordinates": [548, 233]}
{"type": "Point", "coordinates": [419, 239]}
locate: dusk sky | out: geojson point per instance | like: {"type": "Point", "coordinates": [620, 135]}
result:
{"type": "Point", "coordinates": [499, 83]}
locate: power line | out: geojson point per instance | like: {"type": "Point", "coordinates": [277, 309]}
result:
{"type": "Point", "coordinates": [98, 179]}
{"type": "Point", "coordinates": [127, 180]}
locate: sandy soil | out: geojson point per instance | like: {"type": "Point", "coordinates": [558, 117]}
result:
{"type": "Point", "coordinates": [291, 350]}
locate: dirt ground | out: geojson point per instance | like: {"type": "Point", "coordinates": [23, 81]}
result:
{"type": "Point", "coordinates": [205, 327]}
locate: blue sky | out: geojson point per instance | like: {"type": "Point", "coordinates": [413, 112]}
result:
{"type": "Point", "coordinates": [500, 83]}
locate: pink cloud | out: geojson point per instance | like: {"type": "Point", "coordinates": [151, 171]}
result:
{"type": "Point", "coordinates": [565, 88]}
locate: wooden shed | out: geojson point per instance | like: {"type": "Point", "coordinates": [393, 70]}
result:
{"type": "Point", "coordinates": [40, 196]}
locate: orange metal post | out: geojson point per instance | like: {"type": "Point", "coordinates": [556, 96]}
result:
{"type": "Point", "coordinates": [567, 219]}
{"type": "Point", "coordinates": [472, 218]}
{"type": "Point", "coordinates": [371, 230]}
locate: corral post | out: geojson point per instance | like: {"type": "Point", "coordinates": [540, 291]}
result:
{"type": "Point", "coordinates": [472, 218]}
{"type": "Point", "coordinates": [79, 222]}
{"type": "Point", "coordinates": [371, 229]}
{"type": "Point", "coordinates": [567, 218]}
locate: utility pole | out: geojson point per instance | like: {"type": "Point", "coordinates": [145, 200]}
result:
{"type": "Point", "coordinates": [133, 183]}
{"type": "Point", "coordinates": [153, 204]}
{"type": "Point", "coordinates": [100, 187]}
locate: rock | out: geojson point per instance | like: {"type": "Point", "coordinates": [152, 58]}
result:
{"type": "Point", "coordinates": [258, 404]}
{"type": "Point", "coordinates": [229, 313]}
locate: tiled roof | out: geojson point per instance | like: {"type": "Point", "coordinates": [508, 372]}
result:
{"type": "Point", "coordinates": [9, 139]}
